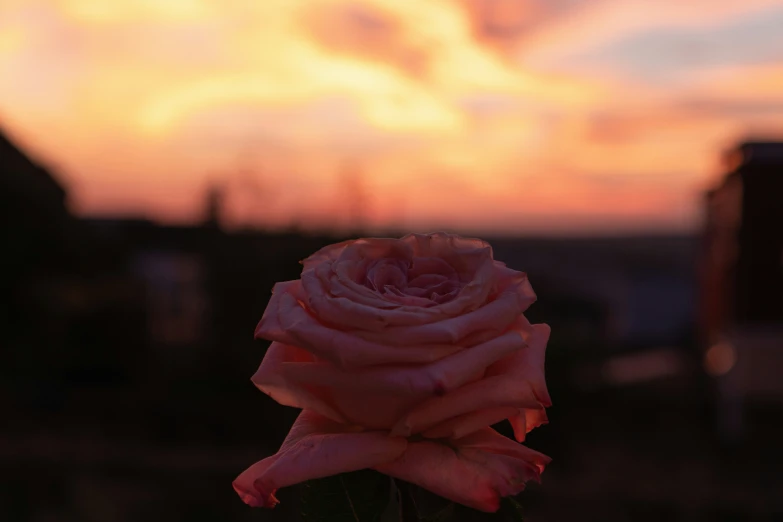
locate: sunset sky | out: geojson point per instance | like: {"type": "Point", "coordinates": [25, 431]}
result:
{"type": "Point", "coordinates": [505, 115]}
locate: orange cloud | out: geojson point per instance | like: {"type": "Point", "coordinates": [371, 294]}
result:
{"type": "Point", "coordinates": [370, 33]}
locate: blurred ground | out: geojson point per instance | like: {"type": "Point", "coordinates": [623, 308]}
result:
{"type": "Point", "coordinates": [637, 454]}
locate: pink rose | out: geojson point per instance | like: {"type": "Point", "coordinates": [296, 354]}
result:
{"type": "Point", "coordinates": [402, 353]}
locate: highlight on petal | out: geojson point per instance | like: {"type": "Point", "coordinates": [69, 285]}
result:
{"type": "Point", "coordinates": [525, 420]}
{"type": "Point", "coordinates": [475, 471]}
{"type": "Point", "coordinates": [315, 447]}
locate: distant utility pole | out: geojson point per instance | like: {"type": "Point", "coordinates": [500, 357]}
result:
{"type": "Point", "coordinates": [353, 195]}
{"type": "Point", "coordinates": [214, 205]}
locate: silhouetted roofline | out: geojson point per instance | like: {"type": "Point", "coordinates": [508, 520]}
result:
{"type": "Point", "coordinates": [19, 170]}
{"type": "Point", "coordinates": [761, 153]}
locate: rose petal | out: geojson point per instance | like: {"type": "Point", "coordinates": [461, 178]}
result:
{"type": "Point", "coordinates": [341, 279]}
{"type": "Point", "coordinates": [352, 308]}
{"type": "Point", "coordinates": [344, 349]}
{"type": "Point", "coordinates": [457, 427]}
{"type": "Point", "coordinates": [445, 288]}
{"type": "Point", "coordinates": [426, 267]}
{"type": "Point", "coordinates": [315, 447]}
{"type": "Point", "coordinates": [464, 255]}
{"type": "Point", "coordinates": [516, 380]}
{"type": "Point", "coordinates": [528, 364]}
{"type": "Point", "coordinates": [338, 311]}
{"type": "Point", "coordinates": [326, 254]}
{"type": "Point", "coordinates": [396, 296]}
{"type": "Point", "coordinates": [377, 248]}
{"type": "Point", "coordinates": [475, 471]}
{"type": "Point", "coordinates": [427, 280]}
{"type": "Point", "coordinates": [387, 272]}
{"type": "Point", "coordinates": [376, 397]}
{"type": "Point", "coordinates": [272, 380]}
{"type": "Point", "coordinates": [270, 327]}
{"type": "Point", "coordinates": [495, 317]}
{"type": "Point", "coordinates": [456, 370]}
{"type": "Point", "coordinates": [436, 378]}
{"type": "Point", "coordinates": [491, 441]}
{"type": "Point", "coordinates": [508, 278]}
{"type": "Point", "coordinates": [526, 420]}
{"type": "Point", "coordinates": [472, 261]}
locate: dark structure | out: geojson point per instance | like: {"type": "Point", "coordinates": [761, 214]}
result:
{"type": "Point", "coordinates": [41, 243]}
{"type": "Point", "coordinates": [33, 212]}
{"type": "Point", "coordinates": [743, 261]}
{"type": "Point", "coordinates": [741, 311]}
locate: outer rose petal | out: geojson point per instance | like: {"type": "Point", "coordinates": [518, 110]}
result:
{"type": "Point", "coordinates": [516, 380]}
{"type": "Point", "coordinates": [475, 471]}
{"type": "Point", "coordinates": [326, 254]}
{"type": "Point", "coordinates": [526, 420]}
{"type": "Point", "coordinates": [270, 327]}
{"type": "Point", "coordinates": [315, 447]}
{"type": "Point", "coordinates": [377, 397]}
{"type": "Point", "coordinates": [271, 379]}
{"type": "Point", "coordinates": [508, 278]}
{"type": "Point", "coordinates": [457, 427]}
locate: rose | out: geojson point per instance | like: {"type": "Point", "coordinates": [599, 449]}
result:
{"type": "Point", "coordinates": [402, 353]}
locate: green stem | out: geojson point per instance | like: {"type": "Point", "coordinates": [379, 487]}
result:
{"type": "Point", "coordinates": [408, 510]}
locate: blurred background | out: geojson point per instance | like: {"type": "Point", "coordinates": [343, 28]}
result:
{"type": "Point", "coordinates": [164, 162]}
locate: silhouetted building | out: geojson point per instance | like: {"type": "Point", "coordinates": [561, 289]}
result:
{"type": "Point", "coordinates": [34, 230]}
{"type": "Point", "coordinates": [741, 316]}
{"type": "Point", "coordinates": [743, 261]}
{"type": "Point", "coordinates": [64, 294]}
{"type": "Point", "coordinates": [32, 212]}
